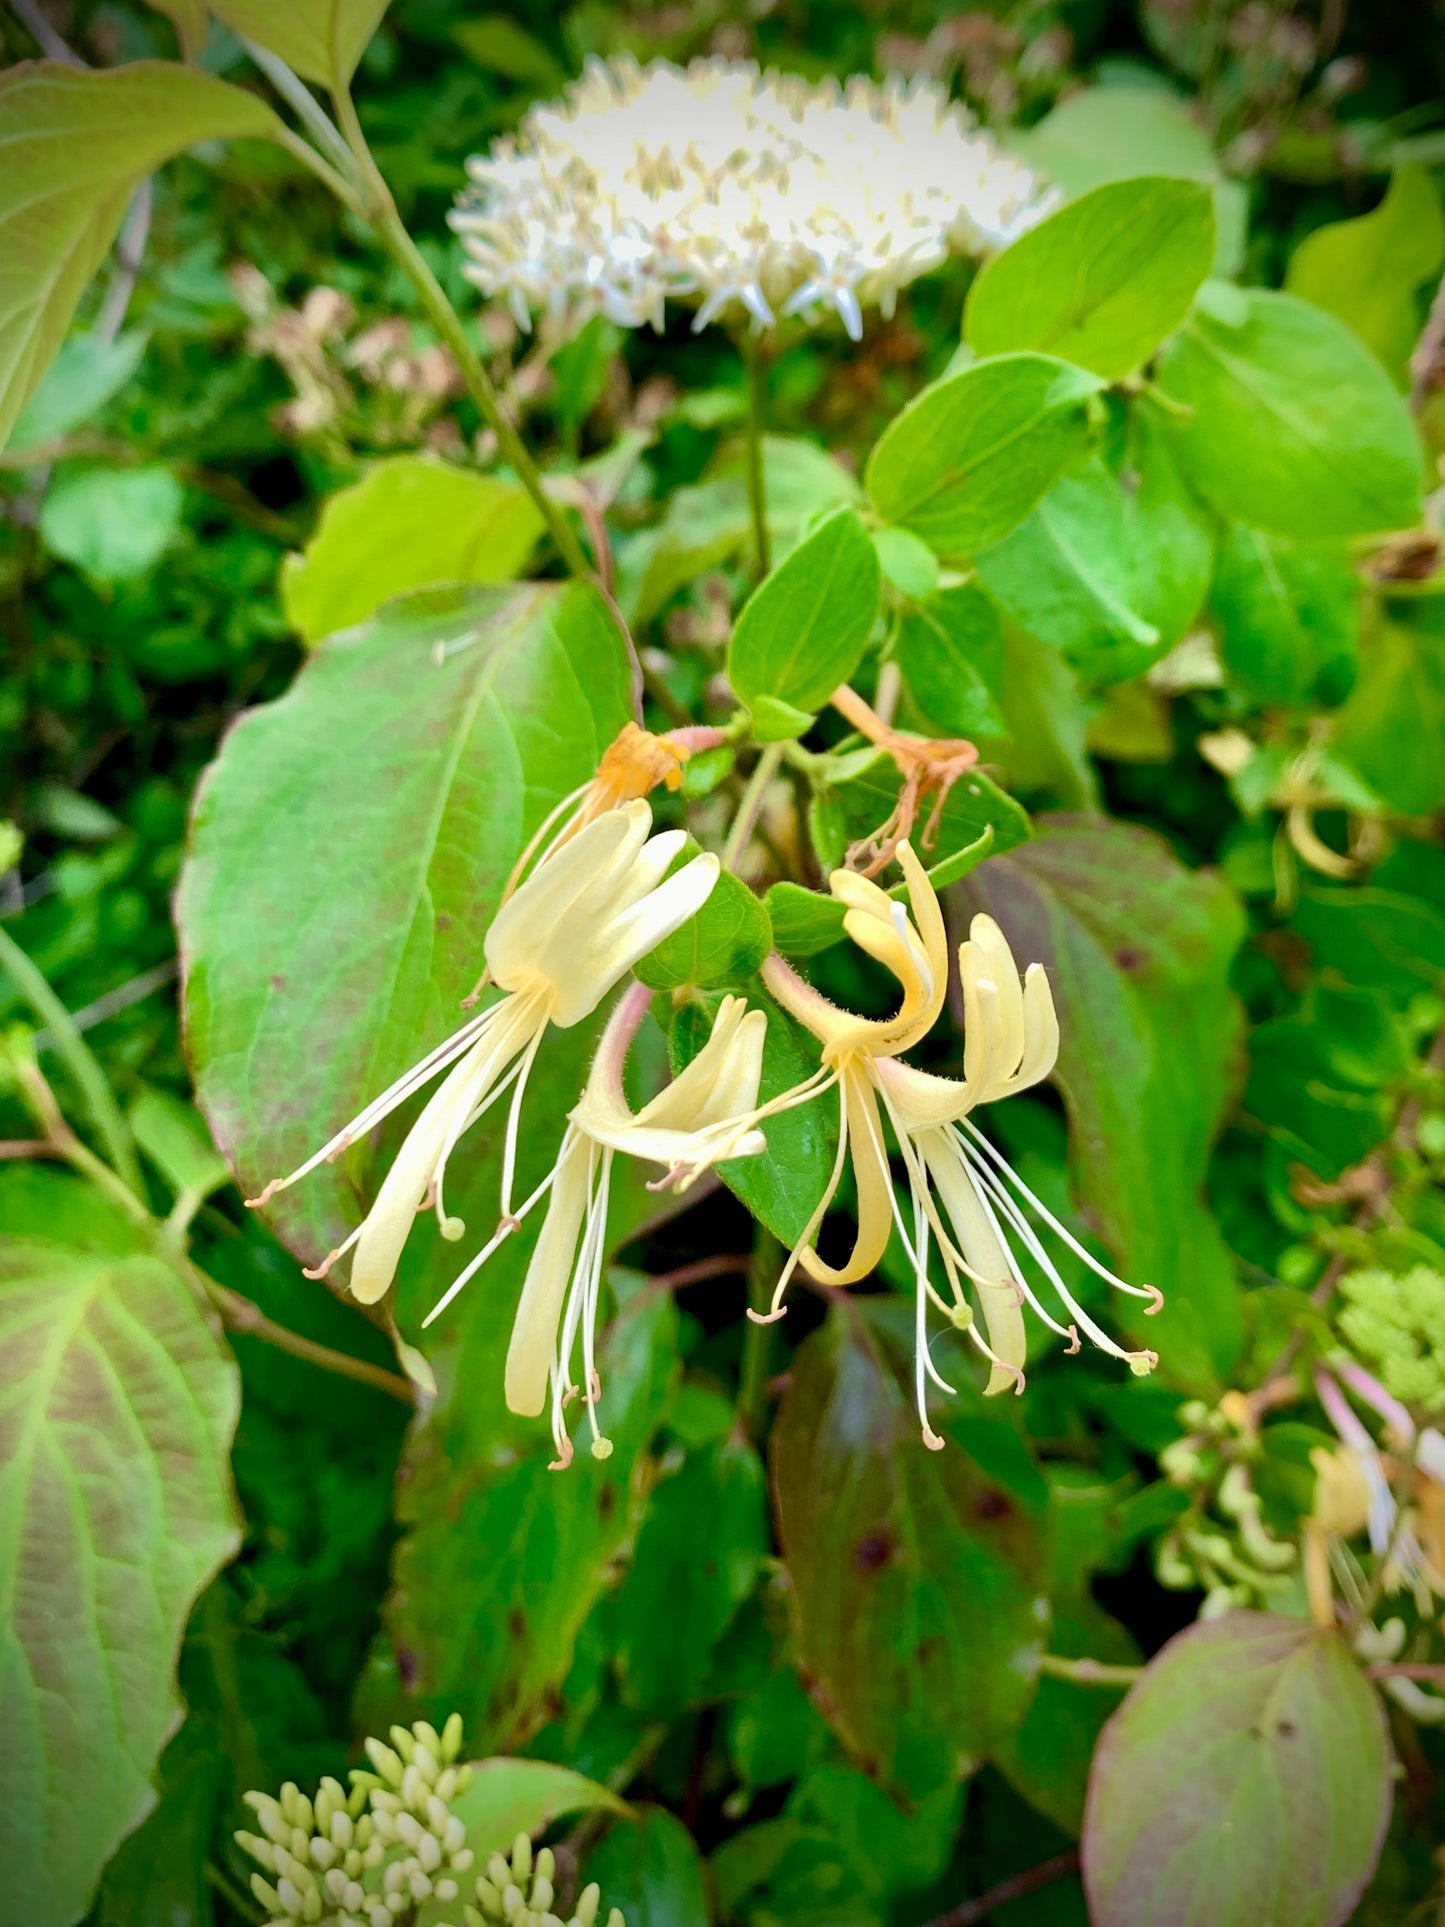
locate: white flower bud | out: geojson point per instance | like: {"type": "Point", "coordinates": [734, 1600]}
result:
{"type": "Point", "coordinates": [447, 1784]}
{"type": "Point", "coordinates": [542, 1893]}
{"type": "Point", "coordinates": [266, 1894]}
{"type": "Point", "coordinates": [323, 1854]}
{"type": "Point", "coordinates": [498, 1872]}
{"type": "Point", "coordinates": [454, 1834]}
{"type": "Point", "coordinates": [342, 1830]}
{"type": "Point", "coordinates": [615, 1919]}
{"type": "Point", "coordinates": [405, 1745]}
{"type": "Point", "coordinates": [385, 1761]}
{"type": "Point", "coordinates": [335, 1885]}
{"type": "Point", "coordinates": [419, 1884]}
{"type": "Point", "coordinates": [399, 1903]}
{"type": "Point", "coordinates": [462, 1860]}
{"type": "Point", "coordinates": [379, 1915]}
{"type": "Point", "coordinates": [394, 1879]}
{"type": "Point", "coordinates": [426, 1762]}
{"type": "Point", "coordinates": [408, 1830]}
{"type": "Point", "coordinates": [260, 1850]}
{"type": "Point", "coordinates": [436, 1813]}
{"type": "Point", "coordinates": [384, 1802]}
{"type": "Point", "coordinates": [451, 1743]}
{"type": "Point", "coordinates": [587, 1904]}
{"type": "Point", "coordinates": [354, 1898]}
{"type": "Point", "coordinates": [290, 1895]}
{"type": "Point", "coordinates": [446, 1890]}
{"type": "Point", "coordinates": [429, 1852]}
{"type": "Point", "coordinates": [522, 1857]}
{"type": "Point", "coordinates": [513, 1899]}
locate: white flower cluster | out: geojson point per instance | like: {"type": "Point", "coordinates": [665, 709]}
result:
{"type": "Point", "coordinates": [519, 1893]}
{"type": "Point", "coordinates": [733, 187]}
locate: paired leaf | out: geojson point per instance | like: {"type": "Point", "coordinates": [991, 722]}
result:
{"type": "Point", "coordinates": [1138, 952]}
{"type": "Point", "coordinates": [1102, 281]}
{"type": "Point", "coordinates": [410, 524]}
{"type": "Point", "coordinates": [1370, 271]}
{"type": "Point", "coordinates": [949, 649]}
{"type": "Point", "coordinates": [1245, 1778]}
{"type": "Point", "coordinates": [969, 457]}
{"type": "Point", "coordinates": [77, 143]}
{"type": "Point", "coordinates": [915, 1574]}
{"type": "Point", "coordinates": [117, 1404]}
{"type": "Point", "coordinates": [1293, 425]}
{"type": "Point", "coordinates": [322, 39]}
{"type": "Point", "coordinates": [803, 631]}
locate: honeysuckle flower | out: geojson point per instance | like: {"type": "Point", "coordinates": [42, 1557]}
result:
{"type": "Point", "coordinates": [735, 189]}
{"type": "Point", "coordinates": [965, 1195]}
{"type": "Point", "coordinates": [556, 948]}
{"type": "Point", "coordinates": [915, 950]}
{"type": "Point", "coordinates": [708, 1113]}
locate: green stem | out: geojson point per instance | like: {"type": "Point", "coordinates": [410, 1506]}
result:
{"type": "Point", "coordinates": [764, 770]}
{"type": "Point", "coordinates": [757, 491]}
{"type": "Point", "coordinates": [78, 1059]}
{"type": "Point", "coordinates": [758, 1339]}
{"type": "Point", "coordinates": [389, 228]}
{"type": "Point", "coordinates": [1088, 1672]}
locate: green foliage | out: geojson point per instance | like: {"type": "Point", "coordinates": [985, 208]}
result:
{"type": "Point", "coordinates": [1287, 1749]}
{"type": "Point", "coordinates": [803, 632]}
{"type": "Point", "coordinates": [322, 39]}
{"type": "Point", "coordinates": [1100, 283]}
{"type": "Point", "coordinates": [411, 524]}
{"type": "Point", "coordinates": [119, 1406]}
{"type": "Point", "coordinates": [1292, 425]}
{"type": "Point", "coordinates": [1399, 1325]}
{"type": "Point", "coordinates": [966, 461]}
{"type": "Point", "coordinates": [81, 142]}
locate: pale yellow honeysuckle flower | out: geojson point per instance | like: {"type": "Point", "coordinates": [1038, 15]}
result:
{"type": "Point", "coordinates": [707, 1114]}
{"type": "Point", "coordinates": [1011, 1040]}
{"type": "Point", "coordinates": [578, 924]}
{"type": "Point", "coordinates": [915, 950]}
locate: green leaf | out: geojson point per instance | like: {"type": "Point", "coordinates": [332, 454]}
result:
{"type": "Point", "coordinates": [697, 1559]}
{"type": "Point", "coordinates": [322, 39]}
{"type": "Point", "coordinates": [114, 523]}
{"type": "Point", "coordinates": [650, 1869]}
{"type": "Point", "coordinates": [410, 524]}
{"type": "Point", "coordinates": [1370, 271]}
{"type": "Point", "coordinates": [502, 1559]}
{"type": "Point", "coordinates": [1393, 727]}
{"type": "Point", "coordinates": [1138, 952]}
{"type": "Point", "coordinates": [723, 944]}
{"type": "Point", "coordinates": [1168, 535]}
{"type": "Point", "coordinates": [1251, 1729]}
{"type": "Point", "coordinates": [969, 457]}
{"type": "Point", "coordinates": [77, 143]}
{"type": "Point", "coordinates": [802, 632]}
{"type": "Point", "coordinates": [779, 722]}
{"type": "Point", "coordinates": [1286, 613]}
{"type": "Point", "coordinates": [1378, 939]}
{"type": "Point", "coordinates": [974, 804]}
{"type": "Point", "coordinates": [1117, 133]}
{"type": "Point", "coordinates": [86, 372]}
{"type": "Point", "coordinates": [1066, 575]}
{"type": "Point", "coordinates": [508, 1797]}
{"type": "Point", "coordinates": [339, 887]}
{"type": "Point", "coordinates": [950, 652]}
{"type": "Point", "coordinates": [1294, 426]}
{"type": "Point", "coordinates": [915, 1574]}
{"type": "Point", "coordinates": [804, 921]}
{"type": "Point", "coordinates": [119, 1401]}
{"type": "Point", "coordinates": [1102, 281]}
{"type": "Point", "coordinates": [909, 565]}
{"type": "Point", "coordinates": [175, 1140]}
{"type": "Point", "coordinates": [503, 46]}
{"type": "Point", "coordinates": [781, 1186]}
{"type": "Point", "coordinates": [159, 1874]}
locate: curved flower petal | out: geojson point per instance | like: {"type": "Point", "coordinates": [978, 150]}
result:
{"type": "Point", "coordinates": [544, 1290]}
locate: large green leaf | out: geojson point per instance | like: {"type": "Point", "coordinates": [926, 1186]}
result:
{"type": "Point", "coordinates": [508, 1797]}
{"type": "Point", "coordinates": [118, 1399]}
{"type": "Point", "coordinates": [348, 851]}
{"type": "Point", "coordinates": [1370, 271]}
{"type": "Point", "coordinates": [1102, 281]}
{"type": "Point", "coordinates": [950, 651]}
{"type": "Point", "coordinates": [1138, 951]}
{"type": "Point", "coordinates": [697, 1558]}
{"type": "Point", "coordinates": [1292, 425]}
{"type": "Point", "coordinates": [76, 144]}
{"type": "Point", "coordinates": [652, 1872]}
{"type": "Point", "coordinates": [410, 524]}
{"type": "Point", "coordinates": [969, 457]}
{"type": "Point", "coordinates": [803, 630]}
{"type": "Point", "coordinates": [502, 1559]}
{"type": "Point", "coordinates": [1116, 133]}
{"type": "Point", "coordinates": [1245, 1779]}
{"type": "Point", "coordinates": [916, 1574]}
{"type": "Point", "coordinates": [1286, 612]}
{"type": "Point", "coordinates": [321, 39]}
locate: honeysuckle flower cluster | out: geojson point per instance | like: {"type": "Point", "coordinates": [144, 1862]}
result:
{"type": "Point", "coordinates": [742, 191]}
{"type": "Point", "coordinates": [602, 894]}
{"type": "Point", "coordinates": [375, 1856]}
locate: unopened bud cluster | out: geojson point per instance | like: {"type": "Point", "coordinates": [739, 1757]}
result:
{"type": "Point", "coordinates": [519, 1893]}
{"type": "Point", "coordinates": [1397, 1324]}
{"type": "Point", "coordinates": [1222, 1542]}
{"type": "Point", "coordinates": [370, 1857]}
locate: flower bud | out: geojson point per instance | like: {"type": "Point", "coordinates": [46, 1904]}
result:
{"type": "Point", "coordinates": [451, 1738]}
